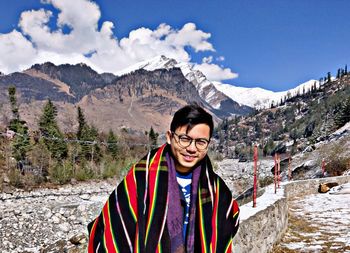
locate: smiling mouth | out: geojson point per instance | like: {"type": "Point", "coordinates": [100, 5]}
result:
{"type": "Point", "coordinates": [188, 158]}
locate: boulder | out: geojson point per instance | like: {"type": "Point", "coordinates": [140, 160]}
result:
{"type": "Point", "coordinates": [325, 187]}
{"type": "Point", "coordinates": [78, 239]}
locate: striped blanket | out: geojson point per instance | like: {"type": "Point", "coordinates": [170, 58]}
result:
{"type": "Point", "coordinates": [134, 216]}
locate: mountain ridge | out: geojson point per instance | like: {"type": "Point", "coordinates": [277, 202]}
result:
{"type": "Point", "coordinates": [138, 100]}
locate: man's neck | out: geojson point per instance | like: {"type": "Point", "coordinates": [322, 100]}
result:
{"type": "Point", "coordinates": [183, 170]}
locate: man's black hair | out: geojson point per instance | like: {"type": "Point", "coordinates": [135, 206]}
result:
{"type": "Point", "coordinates": [191, 115]}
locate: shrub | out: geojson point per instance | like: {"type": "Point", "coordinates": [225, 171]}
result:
{"type": "Point", "coordinates": [15, 177]}
{"type": "Point", "coordinates": [109, 168]}
{"type": "Point", "coordinates": [61, 172]}
{"type": "Point", "coordinates": [336, 158]}
{"type": "Point", "coordinates": [84, 172]}
{"type": "Point", "coordinates": [337, 166]}
{"type": "Point", "coordinates": [266, 181]}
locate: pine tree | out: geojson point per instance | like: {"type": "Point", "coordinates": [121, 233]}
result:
{"type": "Point", "coordinates": [13, 101]}
{"type": "Point", "coordinates": [89, 147]}
{"type": "Point", "coordinates": [88, 136]}
{"type": "Point", "coordinates": [343, 116]}
{"type": "Point", "coordinates": [81, 122]}
{"type": "Point", "coordinates": [328, 77]}
{"type": "Point", "coordinates": [342, 72]}
{"type": "Point", "coordinates": [152, 137]}
{"type": "Point", "coordinates": [21, 143]}
{"type": "Point", "coordinates": [53, 137]}
{"type": "Point", "coordinates": [112, 144]}
{"type": "Point", "coordinates": [269, 146]}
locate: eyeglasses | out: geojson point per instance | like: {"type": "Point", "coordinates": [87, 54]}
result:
{"type": "Point", "coordinates": [185, 141]}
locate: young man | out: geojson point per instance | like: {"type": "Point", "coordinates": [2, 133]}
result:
{"type": "Point", "coordinates": [171, 200]}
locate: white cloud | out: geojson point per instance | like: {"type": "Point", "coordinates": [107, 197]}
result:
{"type": "Point", "coordinates": [96, 46]}
{"type": "Point", "coordinates": [83, 24]}
{"type": "Point", "coordinates": [16, 52]}
{"type": "Point", "coordinates": [190, 36]}
{"type": "Point", "coordinates": [220, 58]}
{"type": "Point", "coordinates": [214, 72]}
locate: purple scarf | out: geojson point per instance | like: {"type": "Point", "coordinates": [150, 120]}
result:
{"type": "Point", "coordinates": [175, 214]}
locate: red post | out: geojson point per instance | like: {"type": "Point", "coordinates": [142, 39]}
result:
{"type": "Point", "coordinates": [289, 170]}
{"type": "Point", "coordinates": [278, 170]}
{"type": "Point", "coordinates": [275, 178]}
{"type": "Point", "coordinates": [255, 176]}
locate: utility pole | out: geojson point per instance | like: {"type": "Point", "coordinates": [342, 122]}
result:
{"type": "Point", "coordinates": [255, 176]}
{"type": "Point", "coordinates": [275, 178]}
{"type": "Point", "coordinates": [278, 170]}
{"type": "Point", "coordinates": [289, 169]}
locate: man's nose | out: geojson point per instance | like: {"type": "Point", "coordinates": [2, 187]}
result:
{"type": "Point", "coordinates": [192, 147]}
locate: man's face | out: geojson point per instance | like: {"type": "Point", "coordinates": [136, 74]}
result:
{"type": "Point", "coordinates": [187, 157]}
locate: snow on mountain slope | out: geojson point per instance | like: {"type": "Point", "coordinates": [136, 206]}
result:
{"type": "Point", "coordinates": [215, 93]}
{"type": "Point", "coordinates": [158, 62]}
{"type": "Point", "coordinates": [261, 98]}
{"type": "Point", "coordinates": [206, 89]}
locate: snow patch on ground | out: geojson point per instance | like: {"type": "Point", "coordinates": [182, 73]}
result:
{"type": "Point", "coordinates": [267, 199]}
{"type": "Point", "coordinates": [324, 224]}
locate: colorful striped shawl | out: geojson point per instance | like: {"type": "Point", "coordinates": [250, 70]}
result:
{"type": "Point", "coordinates": [134, 216]}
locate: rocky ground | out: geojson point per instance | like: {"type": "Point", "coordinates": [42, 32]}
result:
{"type": "Point", "coordinates": [50, 220]}
{"type": "Point", "coordinates": [55, 220]}
{"type": "Point", "coordinates": [239, 176]}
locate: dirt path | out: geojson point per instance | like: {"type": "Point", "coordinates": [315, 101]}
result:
{"type": "Point", "coordinates": [317, 223]}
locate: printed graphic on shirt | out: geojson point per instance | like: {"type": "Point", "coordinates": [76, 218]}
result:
{"type": "Point", "coordinates": [185, 182]}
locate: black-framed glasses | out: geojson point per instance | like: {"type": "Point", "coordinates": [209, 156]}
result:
{"type": "Point", "coordinates": [184, 141]}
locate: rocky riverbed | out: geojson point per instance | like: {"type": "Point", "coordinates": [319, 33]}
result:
{"type": "Point", "coordinates": [50, 220]}
{"type": "Point", "coordinates": [55, 220]}
{"type": "Point", "coordinates": [238, 176]}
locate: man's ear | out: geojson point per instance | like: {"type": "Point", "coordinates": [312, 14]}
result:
{"type": "Point", "coordinates": [168, 137]}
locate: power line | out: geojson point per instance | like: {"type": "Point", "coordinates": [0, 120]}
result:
{"type": "Point", "coordinates": [11, 134]}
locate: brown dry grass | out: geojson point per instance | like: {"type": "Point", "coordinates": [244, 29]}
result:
{"type": "Point", "coordinates": [303, 230]}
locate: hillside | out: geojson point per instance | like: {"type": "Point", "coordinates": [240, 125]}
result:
{"type": "Point", "coordinates": [298, 125]}
{"type": "Point", "coordinates": [142, 97]}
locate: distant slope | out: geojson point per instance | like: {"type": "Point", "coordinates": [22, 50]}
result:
{"type": "Point", "coordinates": [261, 98]}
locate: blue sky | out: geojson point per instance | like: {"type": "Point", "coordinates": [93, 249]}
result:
{"type": "Point", "coordinates": [274, 44]}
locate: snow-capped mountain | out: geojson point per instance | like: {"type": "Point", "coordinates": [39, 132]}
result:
{"type": "Point", "coordinates": [158, 62]}
{"type": "Point", "coordinates": [261, 98]}
{"type": "Point", "coordinates": [220, 95]}
{"type": "Point", "coordinates": [206, 89]}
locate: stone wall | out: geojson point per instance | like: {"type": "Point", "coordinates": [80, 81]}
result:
{"type": "Point", "coordinates": [306, 187]}
{"type": "Point", "coordinates": [260, 232]}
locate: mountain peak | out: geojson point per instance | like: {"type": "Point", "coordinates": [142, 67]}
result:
{"type": "Point", "coordinates": [158, 62]}
{"type": "Point", "coordinates": [39, 66]}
